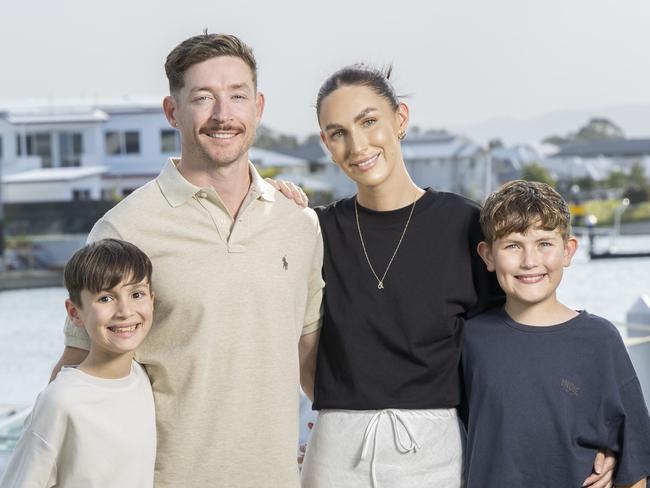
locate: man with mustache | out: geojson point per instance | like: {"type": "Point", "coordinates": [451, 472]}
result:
{"type": "Point", "coordinates": [237, 277]}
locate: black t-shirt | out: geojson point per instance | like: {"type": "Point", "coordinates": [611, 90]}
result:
{"type": "Point", "coordinates": [543, 400]}
{"type": "Point", "coordinates": [398, 347]}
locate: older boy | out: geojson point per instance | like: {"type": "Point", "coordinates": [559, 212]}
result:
{"type": "Point", "coordinates": [94, 425]}
{"type": "Point", "coordinates": [547, 386]}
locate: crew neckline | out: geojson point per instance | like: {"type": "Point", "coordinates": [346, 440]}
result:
{"type": "Point", "coordinates": [540, 329]}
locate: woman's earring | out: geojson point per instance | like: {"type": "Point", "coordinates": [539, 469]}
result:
{"type": "Point", "coordinates": [401, 134]}
{"type": "Point", "coordinates": [333, 160]}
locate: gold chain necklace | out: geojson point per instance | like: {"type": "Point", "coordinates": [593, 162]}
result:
{"type": "Point", "coordinates": [380, 282]}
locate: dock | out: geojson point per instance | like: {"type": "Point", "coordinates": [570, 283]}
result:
{"type": "Point", "coordinates": [30, 278]}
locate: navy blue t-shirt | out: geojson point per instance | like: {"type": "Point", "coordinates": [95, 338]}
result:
{"type": "Point", "coordinates": [543, 400]}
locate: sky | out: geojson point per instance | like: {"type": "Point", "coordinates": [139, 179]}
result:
{"type": "Point", "coordinates": [458, 62]}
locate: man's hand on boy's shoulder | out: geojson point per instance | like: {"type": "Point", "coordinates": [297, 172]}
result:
{"type": "Point", "coordinates": [71, 356]}
{"type": "Point", "coordinates": [603, 475]}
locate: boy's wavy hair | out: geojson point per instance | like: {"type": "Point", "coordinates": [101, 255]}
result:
{"type": "Point", "coordinates": [104, 264]}
{"type": "Point", "coordinates": [520, 205]}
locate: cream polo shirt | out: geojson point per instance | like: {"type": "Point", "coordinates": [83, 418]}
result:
{"type": "Point", "coordinates": [232, 300]}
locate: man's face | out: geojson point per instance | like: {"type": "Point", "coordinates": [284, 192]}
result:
{"type": "Point", "coordinates": [217, 112]}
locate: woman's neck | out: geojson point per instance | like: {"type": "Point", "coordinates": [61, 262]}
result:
{"type": "Point", "coordinates": [389, 196]}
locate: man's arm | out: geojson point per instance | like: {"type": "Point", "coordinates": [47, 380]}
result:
{"type": "Point", "coordinates": [71, 356]}
{"type": "Point", "coordinates": [307, 351]}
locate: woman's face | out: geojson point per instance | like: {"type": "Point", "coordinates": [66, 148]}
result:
{"type": "Point", "coordinates": [360, 129]}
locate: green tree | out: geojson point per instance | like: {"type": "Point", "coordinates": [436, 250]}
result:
{"type": "Point", "coordinates": [586, 183]}
{"type": "Point", "coordinates": [637, 174]}
{"type": "Point", "coordinates": [617, 179]}
{"type": "Point", "coordinates": [596, 129]}
{"type": "Point", "coordinates": [599, 129]}
{"type": "Point", "coordinates": [537, 172]}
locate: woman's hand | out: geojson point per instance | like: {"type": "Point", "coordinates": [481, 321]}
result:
{"type": "Point", "coordinates": [290, 190]}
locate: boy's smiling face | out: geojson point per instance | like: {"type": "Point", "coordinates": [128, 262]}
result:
{"type": "Point", "coordinates": [529, 266]}
{"type": "Point", "coordinates": [116, 320]}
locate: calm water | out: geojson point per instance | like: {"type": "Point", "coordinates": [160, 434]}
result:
{"type": "Point", "coordinates": [31, 321]}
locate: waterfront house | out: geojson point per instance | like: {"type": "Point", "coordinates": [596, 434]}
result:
{"type": "Point", "coordinates": [597, 159]}
{"type": "Point", "coordinates": [125, 143]}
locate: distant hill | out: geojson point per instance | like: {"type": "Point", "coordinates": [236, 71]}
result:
{"type": "Point", "coordinates": [633, 119]}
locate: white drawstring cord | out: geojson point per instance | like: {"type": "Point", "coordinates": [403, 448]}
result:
{"type": "Point", "coordinates": [371, 431]}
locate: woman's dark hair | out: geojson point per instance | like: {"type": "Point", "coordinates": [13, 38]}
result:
{"type": "Point", "coordinates": [360, 75]}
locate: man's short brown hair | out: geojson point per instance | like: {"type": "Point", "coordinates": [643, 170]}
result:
{"type": "Point", "coordinates": [520, 205]}
{"type": "Point", "coordinates": [104, 264]}
{"type": "Point", "coordinates": [200, 48]}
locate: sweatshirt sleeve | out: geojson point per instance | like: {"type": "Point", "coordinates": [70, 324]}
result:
{"type": "Point", "coordinates": [629, 432]}
{"type": "Point", "coordinates": [314, 310]}
{"type": "Point", "coordinates": [32, 465]}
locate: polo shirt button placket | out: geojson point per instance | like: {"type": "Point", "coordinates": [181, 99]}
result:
{"type": "Point", "coordinates": [236, 235]}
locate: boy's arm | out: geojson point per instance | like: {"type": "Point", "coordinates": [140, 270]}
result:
{"type": "Point", "coordinates": [33, 463]}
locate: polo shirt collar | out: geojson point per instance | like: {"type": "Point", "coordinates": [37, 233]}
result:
{"type": "Point", "coordinates": [177, 190]}
{"type": "Point", "coordinates": [263, 189]}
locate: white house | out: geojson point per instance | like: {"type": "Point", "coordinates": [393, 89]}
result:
{"type": "Point", "coordinates": [447, 162]}
{"type": "Point", "coordinates": [125, 144]}
{"type": "Point", "coordinates": [597, 159]}
{"type": "Point", "coordinates": [54, 185]}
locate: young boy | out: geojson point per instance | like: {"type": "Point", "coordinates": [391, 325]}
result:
{"type": "Point", "coordinates": [94, 425]}
{"type": "Point", "coordinates": [547, 386]}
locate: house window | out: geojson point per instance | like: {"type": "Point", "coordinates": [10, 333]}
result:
{"type": "Point", "coordinates": [170, 142]}
{"type": "Point", "coordinates": [127, 142]}
{"type": "Point", "coordinates": [79, 195]}
{"type": "Point", "coordinates": [70, 148]}
{"type": "Point", "coordinates": [36, 144]}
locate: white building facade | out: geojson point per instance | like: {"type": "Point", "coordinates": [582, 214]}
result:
{"type": "Point", "coordinates": [46, 152]}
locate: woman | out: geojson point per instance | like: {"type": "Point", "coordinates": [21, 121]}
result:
{"type": "Point", "coordinates": [402, 274]}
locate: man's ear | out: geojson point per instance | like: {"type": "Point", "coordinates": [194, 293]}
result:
{"type": "Point", "coordinates": [485, 251]}
{"type": "Point", "coordinates": [260, 102]}
{"type": "Point", "coordinates": [169, 107]}
{"type": "Point", "coordinates": [73, 313]}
